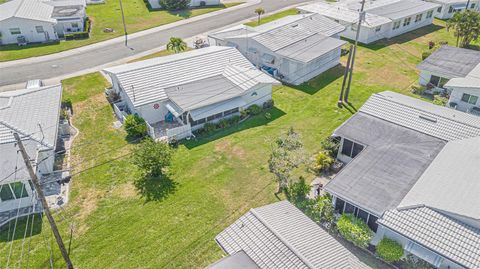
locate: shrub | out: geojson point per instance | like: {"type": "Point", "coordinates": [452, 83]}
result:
{"type": "Point", "coordinates": [412, 262]}
{"type": "Point", "coordinates": [268, 115]}
{"type": "Point", "coordinates": [321, 209]}
{"type": "Point", "coordinates": [135, 126]}
{"type": "Point", "coordinates": [223, 123]}
{"type": "Point", "coordinates": [243, 113]}
{"type": "Point", "coordinates": [297, 193]}
{"type": "Point", "coordinates": [417, 89]}
{"type": "Point", "coordinates": [81, 35]}
{"type": "Point", "coordinates": [354, 230]}
{"type": "Point", "coordinates": [174, 4]}
{"type": "Point", "coordinates": [234, 120]}
{"type": "Point", "coordinates": [322, 162]}
{"type": "Point", "coordinates": [331, 145]}
{"type": "Point", "coordinates": [254, 110]}
{"type": "Point", "coordinates": [268, 104]}
{"type": "Point", "coordinates": [209, 127]}
{"type": "Point", "coordinates": [389, 250]}
{"type": "Point", "coordinates": [439, 100]}
{"type": "Point", "coordinates": [426, 53]}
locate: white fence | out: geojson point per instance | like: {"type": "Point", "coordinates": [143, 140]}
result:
{"type": "Point", "coordinates": [179, 133]}
{"type": "Point", "coordinates": [119, 112]}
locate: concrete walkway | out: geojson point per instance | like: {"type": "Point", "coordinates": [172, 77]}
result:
{"type": "Point", "coordinates": [91, 58]}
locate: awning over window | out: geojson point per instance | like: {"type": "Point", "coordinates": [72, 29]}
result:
{"type": "Point", "coordinates": [216, 108]}
{"type": "Point", "coordinates": [459, 6]}
{"type": "Point", "coordinates": [173, 109]}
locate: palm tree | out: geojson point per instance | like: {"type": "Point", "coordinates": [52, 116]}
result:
{"type": "Point", "coordinates": [259, 11]}
{"type": "Point", "coordinates": [176, 44]}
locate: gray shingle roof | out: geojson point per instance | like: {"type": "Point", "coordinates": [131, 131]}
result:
{"type": "Point", "coordinates": [452, 181]}
{"type": "Point", "coordinates": [145, 82]}
{"type": "Point", "coordinates": [281, 236]}
{"type": "Point", "coordinates": [26, 9]}
{"type": "Point", "coordinates": [437, 121]}
{"type": "Point", "coordinates": [438, 232]}
{"type": "Point", "coordinates": [393, 159]}
{"type": "Point", "coordinates": [451, 61]}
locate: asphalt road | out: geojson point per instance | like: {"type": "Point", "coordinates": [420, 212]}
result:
{"type": "Point", "coordinates": [87, 60]}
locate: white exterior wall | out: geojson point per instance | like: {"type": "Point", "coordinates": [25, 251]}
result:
{"type": "Point", "coordinates": [456, 97]}
{"type": "Point", "coordinates": [66, 26]}
{"type": "Point", "coordinates": [301, 72]}
{"type": "Point", "coordinates": [343, 158]}
{"type": "Point", "coordinates": [412, 26]}
{"type": "Point", "coordinates": [420, 251]}
{"type": "Point", "coordinates": [27, 28]}
{"type": "Point", "coordinates": [263, 94]}
{"type": "Point", "coordinates": [444, 14]}
{"type": "Point", "coordinates": [194, 3]}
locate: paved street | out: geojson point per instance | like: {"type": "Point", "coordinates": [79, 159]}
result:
{"type": "Point", "coordinates": [95, 57]}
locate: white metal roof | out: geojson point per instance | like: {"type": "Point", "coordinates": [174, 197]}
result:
{"type": "Point", "coordinates": [398, 9]}
{"type": "Point", "coordinates": [34, 113]}
{"type": "Point", "coordinates": [451, 183]}
{"type": "Point", "coordinates": [280, 236]}
{"type": "Point", "coordinates": [438, 232]}
{"type": "Point", "coordinates": [145, 82]}
{"type": "Point", "coordinates": [343, 13]}
{"type": "Point", "coordinates": [438, 121]}
{"type": "Point", "coordinates": [27, 9]}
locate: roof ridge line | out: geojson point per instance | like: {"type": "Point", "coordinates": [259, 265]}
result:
{"type": "Point", "coordinates": [303, 16]}
{"type": "Point", "coordinates": [9, 104]}
{"type": "Point", "coordinates": [222, 48]}
{"type": "Point", "coordinates": [440, 116]}
{"type": "Point", "coordinates": [283, 240]}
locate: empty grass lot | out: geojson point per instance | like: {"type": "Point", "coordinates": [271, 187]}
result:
{"type": "Point", "coordinates": [108, 15]}
{"type": "Point", "coordinates": [276, 16]}
{"type": "Point", "coordinates": [216, 179]}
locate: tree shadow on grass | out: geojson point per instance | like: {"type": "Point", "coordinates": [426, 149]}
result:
{"type": "Point", "coordinates": [321, 81]}
{"type": "Point", "coordinates": [255, 121]}
{"type": "Point", "coordinates": [35, 227]}
{"type": "Point", "coordinates": [403, 38]}
{"type": "Point", "coordinates": [155, 188]}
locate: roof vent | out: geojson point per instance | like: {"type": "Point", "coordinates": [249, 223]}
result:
{"type": "Point", "coordinates": [428, 118]}
{"type": "Point", "coordinates": [295, 25]}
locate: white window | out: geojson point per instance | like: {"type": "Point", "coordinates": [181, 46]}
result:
{"type": "Point", "coordinates": [418, 17]}
{"type": "Point", "coordinates": [378, 28]}
{"type": "Point", "coordinates": [406, 21]}
{"type": "Point", "coordinates": [15, 190]}
{"type": "Point", "coordinates": [450, 9]}
{"type": "Point", "coordinates": [471, 99]}
{"type": "Point", "coordinates": [472, 6]}
{"type": "Point", "coordinates": [396, 25]}
{"type": "Point", "coordinates": [439, 9]}
{"type": "Point", "coordinates": [429, 14]}
{"type": "Point", "coordinates": [350, 148]}
{"type": "Point", "coordinates": [39, 29]}
{"type": "Point", "coordinates": [15, 31]}
{"type": "Point", "coordinates": [74, 24]}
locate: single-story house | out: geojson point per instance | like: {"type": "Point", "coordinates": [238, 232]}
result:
{"type": "Point", "coordinates": [407, 178]}
{"type": "Point", "coordinates": [36, 21]}
{"type": "Point", "coordinates": [34, 115]}
{"type": "Point", "coordinates": [193, 3]}
{"type": "Point", "coordinates": [280, 236]}
{"type": "Point", "coordinates": [179, 93]}
{"type": "Point", "coordinates": [456, 70]}
{"type": "Point", "coordinates": [383, 18]}
{"type": "Point", "coordinates": [449, 7]}
{"type": "Point", "coordinates": [294, 49]}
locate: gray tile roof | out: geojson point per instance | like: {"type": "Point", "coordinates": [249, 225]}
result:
{"type": "Point", "coordinates": [452, 181]}
{"type": "Point", "coordinates": [26, 9]}
{"type": "Point", "coordinates": [238, 260]}
{"type": "Point", "coordinates": [451, 61]}
{"type": "Point", "coordinates": [24, 110]}
{"type": "Point", "coordinates": [393, 159]}
{"type": "Point", "coordinates": [438, 232]}
{"type": "Point", "coordinates": [281, 236]}
{"type": "Point", "coordinates": [395, 10]}
{"type": "Point", "coordinates": [146, 81]}
{"type": "Point", "coordinates": [437, 121]}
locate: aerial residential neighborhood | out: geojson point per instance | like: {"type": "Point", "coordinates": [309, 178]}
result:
{"type": "Point", "coordinates": [240, 134]}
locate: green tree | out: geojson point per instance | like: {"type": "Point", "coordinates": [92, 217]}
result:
{"type": "Point", "coordinates": [176, 44]}
{"type": "Point", "coordinates": [323, 161]}
{"type": "Point", "coordinates": [389, 250]}
{"type": "Point", "coordinates": [297, 193]}
{"type": "Point", "coordinates": [174, 4]}
{"type": "Point", "coordinates": [286, 155]}
{"type": "Point", "coordinates": [259, 11]}
{"type": "Point", "coordinates": [321, 209]}
{"type": "Point", "coordinates": [135, 126]}
{"type": "Point", "coordinates": [152, 158]}
{"type": "Point", "coordinates": [466, 26]}
{"type": "Point", "coordinates": [354, 230]}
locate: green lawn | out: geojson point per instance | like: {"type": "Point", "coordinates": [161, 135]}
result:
{"type": "Point", "coordinates": [216, 179]}
{"type": "Point", "coordinates": [108, 15]}
{"type": "Point", "coordinates": [272, 17]}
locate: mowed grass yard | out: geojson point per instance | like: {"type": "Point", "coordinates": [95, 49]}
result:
{"type": "Point", "coordinates": [216, 179]}
{"type": "Point", "coordinates": [108, 15]}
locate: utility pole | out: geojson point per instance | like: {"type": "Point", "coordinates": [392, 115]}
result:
{"type": "Point", "coordinates": [124, 24]}
{"type": "Point", "coordinates": [361, 16]}
{"type": "Point", "coordinates": [41, 196]}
